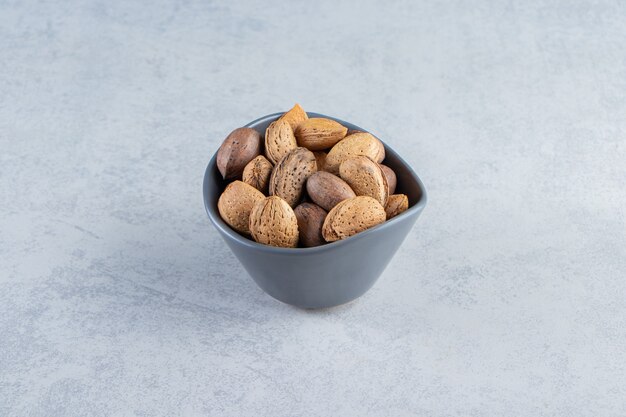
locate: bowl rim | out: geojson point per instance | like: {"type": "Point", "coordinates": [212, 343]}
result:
{"type": "Point", "coordinates": [232, 234]}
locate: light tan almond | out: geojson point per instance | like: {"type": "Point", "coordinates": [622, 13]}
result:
{"type": "Point", "coordinates": [273, 222]}
{"type": "Point", "coordinates": [290, 174]}
{"type": "Point", "coordinates": [235, 205]}
{"type": "Point", "coordinates": [391, 178]}
{"type": "Point", "coordinates": [240, 147]}
{"type": "Point", "coordinates": [279, 140]}
{"type": "Point", "coordinates": [396, 204]}
{"type": "Point", "coordinates": [365, 177]}
{"type": "Point", "coordinates": [317, 133]}
{"type": "Point", "coordinates": [310, 220]}
{"type": "Point", "coordinates": [354, 145]}
{"type": "Point", "coordinates": [351, 217]}
{"type": "Point", "coordinates": [327, 190]}
{"type": "Point", "coordinates": [295, 116]}
{"type": "Point", "coordinates": [321, 159]}
{"type": "Point", "coordinates": [257, 173]}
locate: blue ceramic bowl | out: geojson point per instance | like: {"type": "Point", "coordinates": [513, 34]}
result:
{"type": "Point", "coordinates": [328, 275]}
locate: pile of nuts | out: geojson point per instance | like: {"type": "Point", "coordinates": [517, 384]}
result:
{"type": "Point", "coordinates": [311, 181]}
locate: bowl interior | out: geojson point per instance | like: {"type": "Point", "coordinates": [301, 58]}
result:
{"type": "Point", "coordinates": [408, 183]}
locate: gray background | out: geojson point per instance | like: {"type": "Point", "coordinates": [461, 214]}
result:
{"type": "Point", "coordinates": [117, 297]}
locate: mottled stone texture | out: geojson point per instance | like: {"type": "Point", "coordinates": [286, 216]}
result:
{"type": "Point", "coordinates": [117, 297]}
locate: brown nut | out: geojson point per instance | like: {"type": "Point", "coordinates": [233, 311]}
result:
{"type": "Point", "coordinates": [327, 190]}
{"type": "Point", "coordinates": [273, 222]}
{"type": "Point", "coordinates": [365, 177]}
{"type": "Point", "coordinates": [351, 217]}
{"type": "Point", "coordinates": [310, 220]}
{"type": "Point", "coordinates": [295, 116]}
{"type": "Point", "coordinates": [257, 173]}
{"type": "Point", "coordinates": [279, 140]}
{"type": "Point", "coordinates": [235, 204]}
{"type": "Point", "coordinates": [320, 157]}
{"type": "Point", "coordinates": [240, 147]}
{"type": "Point", "coordinates": [318, 133]}
{"type": "Point", "coordinates": [396, 204]}
{"type": "Point", "coordinates": [354, 145]}
{"type": "Point", "coordinates": [290, 174]}
{"type": "Point", "coordinates": [391, 178]}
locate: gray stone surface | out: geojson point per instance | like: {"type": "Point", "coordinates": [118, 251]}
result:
{"type": "Point", "coordinates": [117, 298]}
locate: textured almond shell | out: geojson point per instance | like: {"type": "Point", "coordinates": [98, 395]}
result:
{"type": "Point", "coordinates": [396, 204]}
{"type": "Point", "coordinates": [354, 145]}
{"type": "Point", "coordinates": [240, 147]}
{"type": "Point", "coordinates": [321, 159]}
{"type": "Point", "coordinates": [327, 190]}
{"type": "Point", "coordinates": [318, 133]}
{"type": "Point", "coordinates": [273, 222]}
{"type": "Point", "coordinates": [257, 173]}
{"type": "Point", "coordinates": [290, 175]}
{"type": "Point", "coordinates": [295, 116]}
{"type": "Point", "coordinates": [365, 177]}
{"type": "Point", "coordinates": [279, 140]}
{"type": "Point", "coordinates": [392, 180]}
{"type": "Point", "coordinates": [351, 217]}
{"type": "Point", "coordinates": [235, 204]}
{"type": "Point", "coordinates": [310, 220]}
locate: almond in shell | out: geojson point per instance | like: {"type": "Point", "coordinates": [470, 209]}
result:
{"type": "Point", "coordinates": [239, 148]}
{"type": "Point", "coordinates": [365, 177]}
{"type": "Point", "coordinates": [295, 116]}
{"type": "Point", "coordinates": [273, 222]}
{"type": "Point", "coordinates": [396, 204]}
{"type": "Point", "coordinates": [356, 144]}
{"type": "Point", "coordinates": [351, 217]}
{"type": "Point", "coordinates": [318, 133]}
{"type": "Point", "coordinates": [235, 204]}
{"type": "Point", "coordinates": [257, 173]}
{"type": "Point", "coordinates": [327, 190]}
{"type": "Point", "coordinates": [279, 140]}
{"type": "Point", "coordinates": [310, 220]}
{"type": "Point", "coordinates": [391, 178]}
{"type": "Point", "coordinates": [291, 173]}
{"type": "Point", "coordinates": [321, 159]}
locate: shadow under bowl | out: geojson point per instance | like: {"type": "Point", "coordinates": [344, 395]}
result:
{"type": "Point", "coordinates": [328, 275]}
